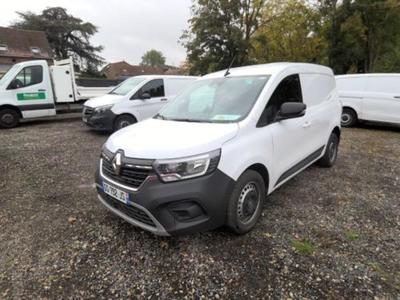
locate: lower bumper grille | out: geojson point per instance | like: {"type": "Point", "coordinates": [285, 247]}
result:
{"type": "Point", "coordinates": [131, 211]}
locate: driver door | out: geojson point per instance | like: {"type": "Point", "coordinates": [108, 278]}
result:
{"type": "Point", "coordinates": [149, 107]}
{"type": "Point", "coordinates": [29, 89]}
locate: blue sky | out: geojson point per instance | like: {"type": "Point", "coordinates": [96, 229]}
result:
{"type": "Point", "coordinates": [127, 28]}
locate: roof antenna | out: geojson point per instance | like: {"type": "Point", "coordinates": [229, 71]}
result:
{"type": "Point", "coordinates": [230, 66]}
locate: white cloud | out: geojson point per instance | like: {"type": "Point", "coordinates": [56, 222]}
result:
{"type": "Point", "coordinates": [127, 28]}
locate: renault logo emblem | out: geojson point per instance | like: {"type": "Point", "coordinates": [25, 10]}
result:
{"type": "Point", "coordinates": [117, 163]}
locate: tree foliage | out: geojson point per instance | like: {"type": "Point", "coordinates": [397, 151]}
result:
{"type": "Point", "coordinates": [220, 30]}
{"type": "Point", "coordinates": [290, 34]}
{"type": "Point", "coordinates": [153, 58]}
{"type": "Point", "coordinates": [347, 35]}
{"type": "Point", "coordinates": [67, 35]}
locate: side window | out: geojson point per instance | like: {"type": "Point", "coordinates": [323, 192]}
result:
{"type": "Point", "coordinates": [27, 76]}
{"type": "Point", "coordinates": [289, 90]}
{"type": "Point", "coordinates": [155, 88]}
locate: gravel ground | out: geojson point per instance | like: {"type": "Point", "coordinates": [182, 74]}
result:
{"type": "Point", "coordinates": [328, 233]}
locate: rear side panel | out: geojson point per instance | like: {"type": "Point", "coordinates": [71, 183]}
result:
{"type": "Point", "coordinates": [63, 84]}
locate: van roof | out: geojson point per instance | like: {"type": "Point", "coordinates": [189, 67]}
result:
{"type": "Point", "coordinates": [367, 75]}
{"type": "Point", "coordinates": [166, 76]}
{"type": "Point", "coordinates": [273, 68]}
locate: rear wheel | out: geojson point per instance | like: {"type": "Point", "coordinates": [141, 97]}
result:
{"type": "Point", "coordinates": [246, 201]}
{"type": "Point", "coordinates": [331, 151]}
{"type": "Point", "coordinates": [9, 118]}
{"type": "Point", "coordinates": [123, 121]}
{"type": "Point", "coordinates": [349, 117]}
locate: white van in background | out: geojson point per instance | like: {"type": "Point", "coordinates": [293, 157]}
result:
{"type": "Point", "coordinates": [134, 100]}
{"type": "Point", "coordinates": [369, 97]}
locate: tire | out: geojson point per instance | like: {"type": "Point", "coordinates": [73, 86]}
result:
{"type": "Point", "coordinates": [349, 117]}
{"type": "Point", "coordinates": [246, 202]}
{"type": "Point", "coordinates": [9, 118]}
{"type": "Point", "coordinates": [123, 121]}
{"type": "Point", "coordinates": [331, 151]}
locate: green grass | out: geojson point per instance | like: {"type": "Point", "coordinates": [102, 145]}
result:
{"type": "Point", "coordinates": [303, 247]}
{"type": "Point", "coordinates": [351, 235]}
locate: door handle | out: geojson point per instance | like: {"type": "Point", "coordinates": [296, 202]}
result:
{"type": "Point", "coordinates": [307, 124]}
{"type": "Point", "coordinates": [41, 90]}
{"type": "Point", "coordinates": [164, 99]}
{"type": "Point", "coordinates": [396, 97]}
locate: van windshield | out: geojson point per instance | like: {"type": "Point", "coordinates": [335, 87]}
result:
{"type": "Point", "coordinates": [128, 85]}
{"type": "Point", "coordinates": [217, 100]}
{"type": "Point", "coordinates": [8, 74]}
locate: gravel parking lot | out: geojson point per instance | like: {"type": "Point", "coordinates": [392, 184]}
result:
{"type": "Point", "coordinates": [328, 233]}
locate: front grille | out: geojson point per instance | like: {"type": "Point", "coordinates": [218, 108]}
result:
{"type": "Point", "coordinates": [130, 175]}
{"type": "Point", "coordinates": [130, 211]}
{"type": "Point", "coordinates": [88, 111]}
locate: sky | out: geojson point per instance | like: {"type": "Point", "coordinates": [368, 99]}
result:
{"type": "Point", "coordinates": [127, 28]}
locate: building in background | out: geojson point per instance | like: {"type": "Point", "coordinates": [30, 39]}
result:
{"type": "Point", "coordinates": [20, 45]}
{"type": "Point", "coordinates": [122, 70]}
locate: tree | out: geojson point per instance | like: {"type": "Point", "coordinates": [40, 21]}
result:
{"type": "Point", "coordinates": [67, 35]}
{"type": "Point", "coordinates": [153, 58]}
{"type": "Point", "coordinates": [291, 34]}
{"type": "Point", "coordinates": [362, 35]}
{"type": "Point", "coordinates": [220, 30]}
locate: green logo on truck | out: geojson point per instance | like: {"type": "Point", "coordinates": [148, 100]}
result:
{"type": "Point", "coordinates": [31, 96]}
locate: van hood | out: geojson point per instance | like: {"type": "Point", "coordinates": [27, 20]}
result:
{"type": "Point", "coordinates": [103, 100]}
{"type": "Point", "coordinates": [161, 139]}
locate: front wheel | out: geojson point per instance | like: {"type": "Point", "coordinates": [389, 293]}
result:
{"type": "Point", "coordinates": [123, 121]}
{"type": "Point", "coordinates": [9, 118]}
{"type": "Point", "coordinates": [331, 151]}
{"type": "Point", "coordinates": [349, 117]}
{"type": "Point", "coordinates": [246, 202]}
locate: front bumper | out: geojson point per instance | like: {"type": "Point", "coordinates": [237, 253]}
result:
{"type": "Point", "coordinates": [102, 121]}
{"type": "Point", "coordinates": [175, 208]}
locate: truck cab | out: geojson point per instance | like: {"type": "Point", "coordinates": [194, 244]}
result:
{"type": "Point", "coordinates": [25, 92]}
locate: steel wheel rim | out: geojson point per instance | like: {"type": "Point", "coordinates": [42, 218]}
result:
{"type": "Point", "coordinates": [248, 203]}
{"type": "Point", "coordinates": [346, 119]}
{"type": "Point", "coordinates": [7, 119]}
{"type": "Point", "coordinates": [124, 124]}
{"type": "Point", "coordinates": [332, 150]}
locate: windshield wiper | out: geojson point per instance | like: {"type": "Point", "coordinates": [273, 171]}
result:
{"type": "Point", "coordinates": [160, 116]}
{"type": "Point", "coordinates": [190, 120]}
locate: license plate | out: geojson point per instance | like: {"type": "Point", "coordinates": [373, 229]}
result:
{"type": "Point", "coordinates": [116, 193]}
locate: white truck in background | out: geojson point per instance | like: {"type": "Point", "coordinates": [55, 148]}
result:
{"type": "Point", "coordinates": [33, 89]}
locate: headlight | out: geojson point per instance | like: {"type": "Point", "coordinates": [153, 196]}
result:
{"type": "Point", "coordinates": [187, 167]}
{"type": "Point", "coordinates": [101, 109]}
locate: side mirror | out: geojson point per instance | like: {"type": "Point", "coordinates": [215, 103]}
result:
{"type": "Point", "coordinates": [144, 96]}
{"type": "Point", "coordinates": [291, 110]}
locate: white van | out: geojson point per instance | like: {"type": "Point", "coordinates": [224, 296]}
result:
{"type": "Point", "coordinates": [369, 97]}
{"type": "Point", "coordinates": [211, 156]}
{"type": "Point", "coordinates": [134, 100]}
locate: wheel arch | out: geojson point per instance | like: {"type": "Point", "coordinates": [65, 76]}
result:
{"type": "Point", "coordinates": [337, 131]}
{"type": "Point", "coordinates": [9, 106]}
{"type": "Point", "coordinates": [263, 171]}
{"type": "Point", "coordinates": [355, 110]}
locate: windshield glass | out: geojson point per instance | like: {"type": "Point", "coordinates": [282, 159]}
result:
{"type": "Point", "coordinates": [128, 85]}
{"type": "Point", "coordinates": [7, 75]}
{"type": "Point", "coordinates": [221, 100]}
